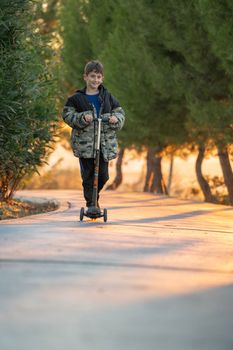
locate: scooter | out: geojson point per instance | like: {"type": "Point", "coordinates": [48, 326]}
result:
{"type": "Point", "coordinates": [94, 212]}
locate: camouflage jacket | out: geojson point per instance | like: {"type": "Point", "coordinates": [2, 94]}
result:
{"type": "Point", "coordinates": [84, 134]}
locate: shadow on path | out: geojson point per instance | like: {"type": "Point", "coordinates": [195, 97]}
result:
{"type": "Point", "coordinates": [109, 264]}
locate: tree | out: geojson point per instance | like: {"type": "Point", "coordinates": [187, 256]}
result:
{"type": "Point", "coordinates": [138, 70]}
{"type": "Point", "coordinates": [88, 24]}
{"type": "Point", "coordinates": [26, 96]}
{"type": "Point", "coordinates": [172, 72]}
{"type": "Point", "coordinates": [77, 49]}
{"type": "Point", "coordinates": [203, 72]}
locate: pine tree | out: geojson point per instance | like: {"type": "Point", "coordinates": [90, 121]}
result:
{"type": "Point", "coordinates": [202, 74]}
{"type": "Point", "coordinates": [170, 68]}
{"type": "Point", "coordinates": [77, 49]}
{"type": "Point", "coordinates": [140, 73]}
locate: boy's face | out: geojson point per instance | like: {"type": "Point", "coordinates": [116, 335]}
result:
{"type": "Point", "coordinates": [93, 80]}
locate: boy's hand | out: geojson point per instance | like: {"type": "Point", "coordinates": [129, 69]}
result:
{"type": "Point", "coordinates": [88, 118]}
{"type": "Point", "coordinates": [113, 119]}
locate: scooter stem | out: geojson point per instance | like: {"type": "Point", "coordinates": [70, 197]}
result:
{"type": "Point", "coordinates": [98, 134]}
{"type": "Point", "coordinates": [96, 169]}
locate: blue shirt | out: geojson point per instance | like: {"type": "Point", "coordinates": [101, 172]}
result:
{"type": "Point", "coordinates": [94, 100]}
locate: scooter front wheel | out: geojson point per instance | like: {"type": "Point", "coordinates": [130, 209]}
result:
{"type": "Point", "coordinates": [105, 215]}
{"type": "Point", "coordinates": [81, 215]}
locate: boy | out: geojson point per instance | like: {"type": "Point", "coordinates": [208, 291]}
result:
{"type": "Point", "coordinates": [91, 102]}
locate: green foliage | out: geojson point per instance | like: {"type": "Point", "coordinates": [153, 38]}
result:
{"type": "Point", "coordinates": [169, 63]}
{"type": "Point", "coordinates": [141, 74]}
{"type": "Point", "coordinates": [77, 48]}
{"type": "Point", "coordinates": [199, 62]}
{"type": "Point", "coordinates": [85, 26]}
{"type": "Point", "coordinates": [27, 110]}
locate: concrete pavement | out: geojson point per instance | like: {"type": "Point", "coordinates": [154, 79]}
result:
{"type": "Point", "coordinates": [157, 275]}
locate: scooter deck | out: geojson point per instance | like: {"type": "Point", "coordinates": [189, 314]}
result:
{"type": "Point", "coordinates": [93, 212]}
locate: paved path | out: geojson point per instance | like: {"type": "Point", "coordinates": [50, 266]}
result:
{"type": "Point", "coordinates": [158, 275]}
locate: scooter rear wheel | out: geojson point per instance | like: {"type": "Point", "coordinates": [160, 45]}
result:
{"type": "Point", "coordinates": [105, 215]}
{"type": "Point", "coordinates": [81, 215]}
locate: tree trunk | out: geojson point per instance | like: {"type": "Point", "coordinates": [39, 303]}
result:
{"type": "Point", "coordinates": [118, 178]}
{"type": "Point", "coordinates": [4, 189]}
{"type": "Point", "coordinates": [169, 185]}
{"type": "Point", "coordinates": [201, 180]}
{"type": "Point", "coordinates": [150, 168]}
{"type": "Point", "coordinates": [227, 171]}
{"type": "Point", "coordinates": [14, 186]}
{"type": "Point", "coordinates": [158, 185]}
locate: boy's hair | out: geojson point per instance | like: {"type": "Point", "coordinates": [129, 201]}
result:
{"type": "Point", "coordinates": [94, 66]}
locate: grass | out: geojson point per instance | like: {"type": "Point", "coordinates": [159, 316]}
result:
{"type": "Point", "coordinates": [16, 209]}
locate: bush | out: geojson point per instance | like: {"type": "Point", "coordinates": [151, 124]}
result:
{"type": "Point", "coordinates": [27, 103]}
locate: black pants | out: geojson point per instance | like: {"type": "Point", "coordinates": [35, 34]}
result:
{"type": "Point", "coordinates": [87, 166]}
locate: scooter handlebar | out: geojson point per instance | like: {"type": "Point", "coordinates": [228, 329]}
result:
{"type": "Point", "coordinates": [104, 119]}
